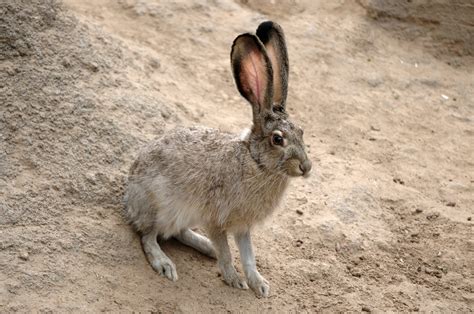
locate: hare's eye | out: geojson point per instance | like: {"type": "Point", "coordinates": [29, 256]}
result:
{"type": "Point", "coordinates": [277, 140]}
{"type": "Point", "coordinates": [278, 109]}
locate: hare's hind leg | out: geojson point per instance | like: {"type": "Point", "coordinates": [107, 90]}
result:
{"type": "Point", "coordinates": [197, 241]}
{"type": "Point", "coordinates": [157, 258]}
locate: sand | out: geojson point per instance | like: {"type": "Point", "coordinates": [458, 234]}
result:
{"type": "Point", "coordinates": [383, 89]}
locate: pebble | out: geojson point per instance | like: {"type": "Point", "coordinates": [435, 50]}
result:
{"type": "Point", "coordinates": [155, 63]}
{"type": "Point", "coordinates": [451, 204]}
{"type": "Point", "coordinates": [399, 181]}
{"type": "Point", "coordinates": [302, 200]}
{"type": "Point", "coordinates": [94, 67]}
{"type": "Point", "coordinates": [299, 212]}
{"type": "Point", "coordinates": [366, 309]}
{"type": "Point", "coordinates": [66, 63]}
{"type": "Point", "coordinates": [24, 255]}
{"type": "Point", "coordinates": [432, 216]}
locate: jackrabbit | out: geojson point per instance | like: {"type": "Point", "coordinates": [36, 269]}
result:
{"type": "Point", "coordinates": [225, 183]}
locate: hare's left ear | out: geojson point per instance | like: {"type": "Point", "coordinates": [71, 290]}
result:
{"type": "Point", "coordinates": [253, 74]}
{"type": "Point", "coordinates": [272, 37]}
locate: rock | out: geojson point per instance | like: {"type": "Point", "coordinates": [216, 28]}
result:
{"type": "Point", "coordinates": [432, 216]}
{"type": "Point", "coordinates": [302, 200]}
{"type": "Point", "coordinates": [23, 255]}
{"type": "Point", "coordinates": [374, 81]}
{"type": "Point", "coordinates": [155, 63]}
{"type": "Point", "coordinates": [399, 181]}
{"type": "Point", "coordinates": [94, 67]}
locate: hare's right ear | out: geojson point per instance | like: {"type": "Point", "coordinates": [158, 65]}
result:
{"type": "Point", "coordinates": [272, 36]}
{"type": "Point", "coordinates": [253, 73]}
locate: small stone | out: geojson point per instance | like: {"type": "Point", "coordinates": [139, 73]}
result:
{"type": "Point", "coordinates": [155, 63]}
{"type": "Point", "coordinates": [366, 309]}
{"type": "Point", "coordinates": [94, 67]}
{"type": "Point", "coordinates": [299, 212]}
{"type": "Point", "coordinates": [91, 178]}
{"type": "Point", "coordinates": [432, 216]}
{"type": "Point", "coordinates": [374, 82]}
{"type": "Point", "coordinates": [418, 211]}
{"type": "Point", "coordinates": [165, 114]}
{"type": "Point", "coordinates": [399, 181]}
{"type": "Point", "coordinates": [469, 218]}
{"type": "Point", "coordinates": [302, 200]}
{"type": "Point", "coordinates": [24, 255]}
{"type": "Point", "coordinates": [66, 63]}
{"type": "Point", "coordinates": [451, 204]}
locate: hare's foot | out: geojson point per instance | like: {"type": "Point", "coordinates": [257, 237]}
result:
{"type": "Point", "coordinates": [197, 241]}
{"type": "Point", "coordinates": [157, 258]}
{"type": "Point", "coordinates": [232, 278]}
{"type": "Point", "coordinates": [258, 284]}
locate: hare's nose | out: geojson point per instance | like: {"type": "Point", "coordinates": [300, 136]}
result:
{"type": "Point", "coordinates": [305, 168]}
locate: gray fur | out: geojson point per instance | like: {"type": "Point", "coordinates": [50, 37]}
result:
{"type": "Point", "coordinates": [224, 183]}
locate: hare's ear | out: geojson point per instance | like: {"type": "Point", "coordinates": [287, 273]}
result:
{"type": "Point", "coordinates": [272, 37]}
{"type": "Point", "coordinates": [253, 73]}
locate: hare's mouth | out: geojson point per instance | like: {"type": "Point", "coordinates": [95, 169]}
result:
{"type": "Point", "coordinates": [295, 172]}
{"type": "Point", "coordinates": [299, 170]}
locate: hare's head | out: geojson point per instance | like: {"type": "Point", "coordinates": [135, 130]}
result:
{"type": "Point", "coordinates": [260, 67]}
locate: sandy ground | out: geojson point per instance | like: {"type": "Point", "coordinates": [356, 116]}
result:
{"type": "Point", "coordinates": [384, 90]}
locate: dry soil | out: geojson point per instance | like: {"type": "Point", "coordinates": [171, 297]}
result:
{"type": "Point", "coordinates": [384, 90]}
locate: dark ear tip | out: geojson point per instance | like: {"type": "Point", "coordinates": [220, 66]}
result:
{"type": "Point", "coordinates": [245, 36]}
{"type": "Point", "coordinates": [264, 30]}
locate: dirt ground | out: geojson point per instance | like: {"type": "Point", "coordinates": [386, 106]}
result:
{"type": "Point", "coordinates": [384, 90]}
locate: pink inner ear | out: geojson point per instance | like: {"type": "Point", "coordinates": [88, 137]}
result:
{"type": "Point", "coordinates": [277, 88]}
{"type": "Point", "coordinates": [254, 77]}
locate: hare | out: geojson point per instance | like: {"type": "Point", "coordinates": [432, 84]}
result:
{"type": "Point", "coordinates": [224, 183]}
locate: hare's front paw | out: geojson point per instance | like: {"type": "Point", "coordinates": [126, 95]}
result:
{"type": "Point", "coordinates": [165, 267]}
{"type": "Point", "coordinates": [234, 280]}
{"type": "Point", "coordinates": [259, 285]}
